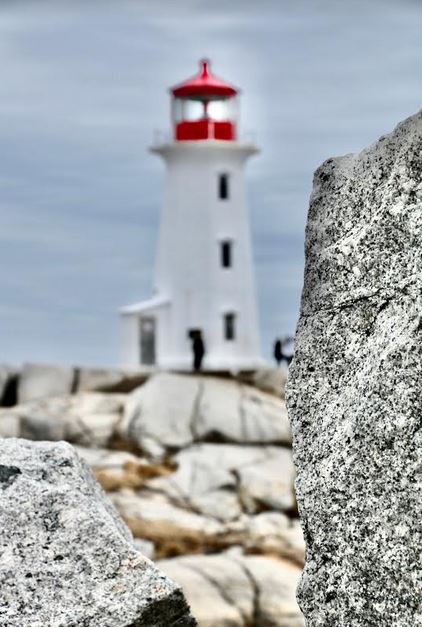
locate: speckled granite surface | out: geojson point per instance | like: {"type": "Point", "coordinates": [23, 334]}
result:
{"type": "Point", "coordinates": [355, 388]}
{"type": "Point", "coordinates": [66, 557]}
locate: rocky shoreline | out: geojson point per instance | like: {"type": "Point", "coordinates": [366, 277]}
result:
{"type": "Point", "coordinates": [200, 469]}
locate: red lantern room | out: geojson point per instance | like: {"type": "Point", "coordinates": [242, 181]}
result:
{"type": "Point", "coordinates": [204, 107]}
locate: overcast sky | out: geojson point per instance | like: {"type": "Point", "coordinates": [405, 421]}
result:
{"type": "Point", "coordinates": [83, 86]}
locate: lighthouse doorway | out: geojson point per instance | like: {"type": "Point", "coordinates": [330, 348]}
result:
{"type": "Point", "coordinates": [147, 340]}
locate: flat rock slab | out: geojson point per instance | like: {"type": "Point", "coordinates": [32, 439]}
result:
{"type": "Point", "coordinates": [355, 387]}
{"type": "Point", "coordinates": [66, 558]}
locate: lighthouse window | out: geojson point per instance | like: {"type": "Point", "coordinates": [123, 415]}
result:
{"type": "Point", "coordinates": [229, 326]}
{"type": "Point", "coordinates": [223, 186]}
{"type": "Point", "coordinates": [193, 110]}
{"type": "Point", "coordinates": [226, 254]}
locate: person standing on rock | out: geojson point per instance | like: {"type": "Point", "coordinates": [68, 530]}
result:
{"type": "Point", "coordinates": [198, 348]}
{"type": "Point", "coordinates": [279, 354]}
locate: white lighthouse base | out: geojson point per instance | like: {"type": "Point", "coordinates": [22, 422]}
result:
{"type": "Point", "coordinates": [146, 343]}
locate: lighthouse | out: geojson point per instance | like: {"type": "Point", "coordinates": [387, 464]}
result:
{"type": "Point", "coordinates": [204, 278]}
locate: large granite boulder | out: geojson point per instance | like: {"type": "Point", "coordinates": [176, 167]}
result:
{"type": "Point", "coordinates": [66, 558]}
{"type": "Point", "coordinates": [355, 390]}
{"type": "Point", "coordinates": [272, 380]}
{"type": "Point", "coordinates": [40, 381]}
{"type": "Point", "coordinates": [87, 418]}
{"type": "Point", "coordinates": [218, 479]}
{"type": "Point", "coordinates": [231, 590]}
{"type": "Point", "coordinates": [173, 411]}
{"type": "Point", "coordinates": [108, 380]}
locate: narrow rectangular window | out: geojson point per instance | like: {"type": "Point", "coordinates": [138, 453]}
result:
{"type": "Point", "coordinates": [223, 186]}
{"type": "Point", "coordinates": [230, 326]}
{"type": "Point", "coordinates": [226, 254]}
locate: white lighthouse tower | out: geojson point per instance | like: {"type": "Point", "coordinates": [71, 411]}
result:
{"type": "Point", "coordinates": [204, 279]}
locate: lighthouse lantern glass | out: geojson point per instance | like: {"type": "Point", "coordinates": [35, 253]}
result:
{"type": "Point", "coordinates": [193, 110]}
{"type": "Point", "coordinates": [222, 110]}
{"type": "Point", "coordinates": [218, 110]}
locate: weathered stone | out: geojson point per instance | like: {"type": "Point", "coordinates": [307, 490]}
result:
{"type": "Point", "coordinates": [219, 590]}
{"type": "Point", "coordinates": [104, 459]}
{"type": "Point", "coordinates": [215, 479]}
{"type": "Point", "coordinates": [272, 533]}
{"type": "Point", "coordinates": [109, 380]}
{"type": "Point", "coordinates": [98, 403]}
{"type": "Point", "coordinates": [161, 410]}
{"type": "Point", "coordinates": [355, 387]}
{"type": "Point", "coordinates": [10, 426]}
{"type": "Point", "coordinates": [44, 419]}
{"type": "Point", "coordinates": [233, 412]}
{"type": "Point", "coordinates": [66, 557]}
{"type": "Point", "coordinates": [118, 469]}
{"type": "Point", "coordinates": [175, 410]}
{"type": "Point", "coordinates": [178, 530]}
{"type": "Point", "coordinates": [38, 381]}
{"type": "Point", "coordinates": [275, 582]}
{"type": "Point", "coordinates": [230, 590]}
{"type": "Point", "coordinates": [268, 483]}
{"type": "Point", "coordinates": [145, 547]}
{"type": "Point", "coordinates": [91, 429]}
{"type": "Point", "coordinates": [89, 418]}
{"type": "Point", "coordinates": [98, 379]}
{"type": "Point", "coordinates": [157, 510]}
{"type": "Point", "coordinates": [272, 380]}
{"type": "Point", "coordinates": [201, 484]}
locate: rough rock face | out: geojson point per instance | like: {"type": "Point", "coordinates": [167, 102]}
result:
{"type": "Point", "coordinates": [39, 381]}
{"type": "Point", "coordinates": [241, 590]}
{"type": "Point", "coordinates": [66, 558]}
{"type": "Point", "coordinates": [176, 410]}
{"type": "Point", "coordinates": [355, 387]}
{"type": "Point", "coordinates": [199, 467]}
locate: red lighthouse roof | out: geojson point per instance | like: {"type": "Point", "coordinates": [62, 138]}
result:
{"type": "Point", "coordinates": [204, 84]}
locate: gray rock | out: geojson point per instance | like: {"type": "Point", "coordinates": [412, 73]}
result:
{"type": "Point", "coordinates": [233, 591]}
{"type": "Point", "coordinates": [108, 380]}
{"type": "Point", "coordinates": [268, 483]}
{"type": "Point", "coordinates": [234, 412]}
{"type": "Point", "coordinates": [219, 589]}
{"type": "Point", "coordinates": [272, 380]}
{"type": "Point", "coordinates": [67, 559]}
{"type": "Point", "coordinates": [38, 381]}
{"type": "Point", "coordinates": [92, 379]}
{"type": "Point", "coordinates": [88, 418]}
{"type": "Point", "coordinates": [158, 512]}
{"type": "Point", "coordinates": [216, 479]}
{"type": "Point", "coordinates": [356, 386]}
{"type": "Point", "coordinates": [161, 411]}
{"type": "Point", "coordinates": [10, 424]}
{"type": "Point", "coordinates": [175, 410]}
{"type": "Point", "coordinates": [145, 547]}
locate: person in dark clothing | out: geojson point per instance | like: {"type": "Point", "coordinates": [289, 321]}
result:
{"type": "Point", "coordinates": [198, 348]}
{"type": "Point", "coordinates": [279, 354]}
